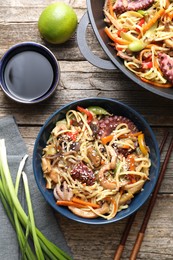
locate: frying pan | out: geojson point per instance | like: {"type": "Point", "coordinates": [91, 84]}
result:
{"type": "Point", "coordinates": [95, 16]}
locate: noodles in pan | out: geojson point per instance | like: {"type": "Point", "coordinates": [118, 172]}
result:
{"type": "Point", "coordinates": [95, 162]}
{"type": "Point", "coordinates": [141, 32]}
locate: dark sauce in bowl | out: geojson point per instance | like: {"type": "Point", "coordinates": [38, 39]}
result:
{"type": "Point", "coordinates": [28, 75]}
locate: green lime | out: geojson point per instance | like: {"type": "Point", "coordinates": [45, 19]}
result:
{"type": "Point", "coordinates": [57, 23]}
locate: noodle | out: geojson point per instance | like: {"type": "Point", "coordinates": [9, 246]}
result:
{"type": "Point", "coordinates": [78, 163]}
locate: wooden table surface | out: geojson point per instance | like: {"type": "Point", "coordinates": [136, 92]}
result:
{"type": "Point", "coordinates": [80, 79]}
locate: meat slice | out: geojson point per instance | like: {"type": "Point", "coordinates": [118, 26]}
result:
{"type": "Point", "coordinates": [166, 66]}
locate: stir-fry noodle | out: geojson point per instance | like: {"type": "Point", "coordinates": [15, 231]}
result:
{"type": "Point", "coordinates": [95, 162]}
{"type": "Point", "coordinates": [140, 37]}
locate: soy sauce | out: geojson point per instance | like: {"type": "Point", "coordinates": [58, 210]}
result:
{"type": "Point", "coordinates": [28, 75]}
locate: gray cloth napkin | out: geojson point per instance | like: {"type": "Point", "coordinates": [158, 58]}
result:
{"type": "Point", "coordinates": [44, 215]}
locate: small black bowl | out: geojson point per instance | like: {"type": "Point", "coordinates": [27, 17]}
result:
{"type": "Point", "coordinates": [29, 73]}
{"type": "Point", "coordinates": [114, 107]}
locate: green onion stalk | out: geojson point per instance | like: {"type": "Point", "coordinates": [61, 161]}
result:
{"type": "Point", "coordinates": [24, 224]}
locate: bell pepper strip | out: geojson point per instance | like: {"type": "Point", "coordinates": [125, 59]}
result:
{"type": "Point", "coordinates": [166, 85]}
{"type": "Point", "coordinates": [147, 65]}
{"type": "Point", "coordinates": [115, 38]}
{"type": "Point", "coordinates": [140, 23]}
{"type": "Point", "coordinates": [142, 144]}
{"type": "Point", "coordinates": [120, 31]}
{"type": "Point", "coordinates": [152, 21]}
{"type": "Point", "coordinates": [87, 112]}
{"type": "Point", "coordinates": [85, 203]}
{"type": "Point", "coordinates": [72, 135]}
{"type": "Point", "coordinates": [106, 139]}
{"type": "Point", "coordinates": [98, 110]}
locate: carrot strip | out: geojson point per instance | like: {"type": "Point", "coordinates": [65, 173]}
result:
{"type": "Point", "coordinates": [111, 11]}
{"type": "Point", "coordinates": [136, 134]}
{"type": "Point", "coordinates": [170, 15]}
{"type": "Point", "coordinates": [152, 21]}
{"type": "Point", "coordinates": [150, 45]}
{"type": "Point", "coordinates": [167, 4]}
{"type": "Point", "coordinates": [129, 135]}
{"type": "Point", "coordinates": [102, 162]}
{"type": "Point", "coordinates": [156, 65]}
{"type": "Point", "coordinates": [132, 178]}
{"type": "Point", "coordinates": [115, 207]}
{"type": "Point", "coordinates": [115, 39]}
{"type": "Point", "coordinates": [84, 203]}
{"type": "Point", "coordinates": [125, 146]}
{"type": "Point", "coordinates": [168, 85]}
{"type": "Point", "coordinates": [106, 139]}
{"type": "Point", "coordinates": [131, 160]}
{"type": "Point", "coordinates": [67, 203]}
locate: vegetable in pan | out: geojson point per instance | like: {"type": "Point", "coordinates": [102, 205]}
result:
{"type": "Point", "coordinates": [95, 162]}
{"type": "Point", "coordinates": [141, 32]}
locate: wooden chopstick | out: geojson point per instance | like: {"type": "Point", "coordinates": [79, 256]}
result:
{"type": "Point", "coordinates": [140, 236]}
{"type": "Point", "coordinates": [130, 221]}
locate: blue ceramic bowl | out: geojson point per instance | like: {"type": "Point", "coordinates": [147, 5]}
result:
{"type": "Point", "coordinates": [29, 72]}
{"type": "Point", "coordinates": [116, 108]}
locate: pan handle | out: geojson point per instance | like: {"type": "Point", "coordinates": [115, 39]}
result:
{"type": "Point", "coordinates": [86, 52]}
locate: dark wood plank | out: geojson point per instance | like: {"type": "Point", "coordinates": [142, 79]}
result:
{"type": "Point", "coordinates": [81, 84]}
{"type": "Point", "coordinates": [100, 242]}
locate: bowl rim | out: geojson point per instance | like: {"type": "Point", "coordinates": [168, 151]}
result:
{"type": "Point", "coordinates": [96, 221]}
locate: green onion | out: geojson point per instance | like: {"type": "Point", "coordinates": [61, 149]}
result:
{"type": "Point", "coordinates": [22, 238]}
{"type": "Point", "coordinates": [38, 250]}
{"type": "Point", "coordinates": [24, 225]}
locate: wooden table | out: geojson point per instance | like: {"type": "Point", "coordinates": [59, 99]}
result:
{"type": "Point", "coordinates": [79, 79]}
